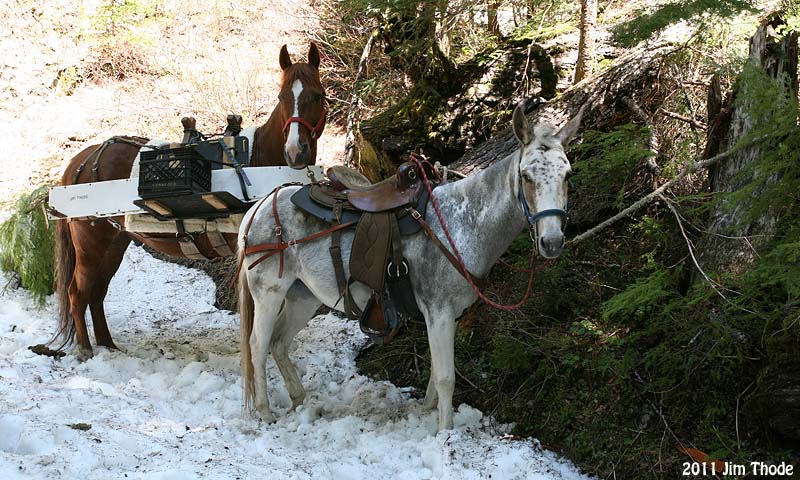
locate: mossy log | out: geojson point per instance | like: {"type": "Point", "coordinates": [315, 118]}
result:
{"type": "Point", "coordinates": [450, 110]}
{"type": "Point", "coordinates": [600, 94]}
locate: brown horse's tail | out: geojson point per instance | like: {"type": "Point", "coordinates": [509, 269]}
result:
{"type": "Point", "coordinates": [246, 307]}
{"type": "Point", "coordinates": [65, 266]}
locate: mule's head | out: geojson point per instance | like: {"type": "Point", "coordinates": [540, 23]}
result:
{"type": "Point", "coordinates": [542, 180]}
{"type": "Point", "coordinates": [302, 108]}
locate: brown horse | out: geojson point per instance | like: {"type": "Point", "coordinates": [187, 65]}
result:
{"type": "Point", "coordinates": [89, 252]}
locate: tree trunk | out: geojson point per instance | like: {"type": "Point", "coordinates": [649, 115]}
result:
{"type": "Point", "coordinates": [586, 50]}
{"type": "Point", "coordinates": [491, 14]}
{"type": "Point", "coordinates": [730, 246]}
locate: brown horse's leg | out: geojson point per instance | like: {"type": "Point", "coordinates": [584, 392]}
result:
{"type": "Point", "coordinates": [110, 265]}
{"type": "Point", "coordinates": [91, 240]}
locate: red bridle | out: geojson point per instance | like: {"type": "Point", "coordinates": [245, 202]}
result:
{"type": "Point", "coordinates": [316, 130]}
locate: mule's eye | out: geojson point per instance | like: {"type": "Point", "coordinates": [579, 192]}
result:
{"type": "Point", "coordinates": [544, 148]}
{"type": "Point", "coordinates": [527, 177]}
{"type": "Point", "coordinates": [316, 97]}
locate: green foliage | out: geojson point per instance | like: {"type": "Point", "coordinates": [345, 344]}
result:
{"type": "Point", "coordinates": [779, 271]}
{"type": "Point", "coordinates": [120, 38]}
{"type": "Point", "coordinates": [115, 18]}
{"type": "Point", "coordinates": [604, 163]}
{"type": "Point", "coordinates": [648, 23]}
{"type": "Point", "coordinates": [640, 299]}
{"type": "Point", "coordinates": [27, 243]}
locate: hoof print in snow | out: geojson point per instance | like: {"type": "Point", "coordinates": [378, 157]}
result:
{"type": "Point", "coordinates": [80, 426]}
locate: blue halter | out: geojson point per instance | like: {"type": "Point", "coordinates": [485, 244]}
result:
{"type": "Point", "coordinates": [533, 218]}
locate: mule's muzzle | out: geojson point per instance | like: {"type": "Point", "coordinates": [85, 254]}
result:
{"type": "Point", "coordinates": [297, 158]}
{"type": "Point", "coordinates": [551, 245]}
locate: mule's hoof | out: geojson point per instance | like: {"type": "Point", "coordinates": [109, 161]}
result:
{"type": "Point", "coordinates": [430, 402]}
{"type": "Point", "coordinates": [266, 416]}
{"type": "Point", "coordinates": [296, 403]}
{"type": "Point", "coordinates": [83, 354]}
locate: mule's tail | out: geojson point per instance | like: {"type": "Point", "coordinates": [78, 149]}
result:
{"type": "Point", "coordinates": [246, 307]}
{"type": "Point", "coordinates": [64, 266]}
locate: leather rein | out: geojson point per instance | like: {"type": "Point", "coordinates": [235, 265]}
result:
{"type": "Point", "coordinates": [271, 249]}
{"type": "Point", "coordinates": [455, 257]}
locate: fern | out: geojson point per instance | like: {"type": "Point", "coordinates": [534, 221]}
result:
{"type": "Point", "coordinates": [27, 242]}
{"type": "Point", "coordinates": [640, 298]}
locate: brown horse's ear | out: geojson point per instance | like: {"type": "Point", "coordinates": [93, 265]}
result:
{"type": "Point", "coordinates": [284, 58]}
{"type": "Point", "coordinates": [313, 55]}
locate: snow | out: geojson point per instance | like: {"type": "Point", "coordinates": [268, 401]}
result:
{"type": "Point", "coordinates": [168, 405]}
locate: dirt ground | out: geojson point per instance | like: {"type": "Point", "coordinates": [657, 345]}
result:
{"type": "Point", "coordinates": [180, 59]}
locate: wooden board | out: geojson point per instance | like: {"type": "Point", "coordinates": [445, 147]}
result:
{"type": "Point", "coordinates": [116, 197]}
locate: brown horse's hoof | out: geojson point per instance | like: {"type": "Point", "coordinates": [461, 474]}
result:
{"type": "Point", "coordinates": [108, 344]}
{"type": "Point", "coordinates": [83, 354]}
{"type": "Point", "coordinates": [41, 349]}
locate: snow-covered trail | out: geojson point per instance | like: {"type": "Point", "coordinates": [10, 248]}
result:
{"type": "Point", "coordinates": [169, 405]}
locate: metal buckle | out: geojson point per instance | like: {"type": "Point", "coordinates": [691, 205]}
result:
{"type": "Point", "coordinates": [278, 230]}
{"type": "Point", "coordinates": [389, 269]}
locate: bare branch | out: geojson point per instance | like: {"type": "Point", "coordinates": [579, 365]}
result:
{"type": "Point", "coordinates": [655, 193]}
{"type": "Point", "coordinates": [690, 246]}
{"type": "Point", "coordinates": [690, 121]}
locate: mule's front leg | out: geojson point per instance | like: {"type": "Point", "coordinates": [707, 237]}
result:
{"type": "Point", "coordinates": [441, 337]}
{"type": "Point", "coordinates": [431, 397]}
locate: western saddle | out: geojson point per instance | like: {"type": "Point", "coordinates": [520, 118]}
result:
{"type": "Point", "coordinates": [382, 214]}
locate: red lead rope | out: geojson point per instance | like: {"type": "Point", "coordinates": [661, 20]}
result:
{"type": "Point", "coordinates": [461, 263]}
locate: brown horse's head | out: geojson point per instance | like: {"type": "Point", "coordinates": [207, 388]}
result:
{"type": "Point", "coordinates": [302, 108]}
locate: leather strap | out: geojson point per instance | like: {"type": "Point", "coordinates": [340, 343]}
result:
{"type": "Point", "coordinates": [187, 244]}
{"type": "Point", "coordinates": [219, 244]}
{"type": "Point", "coordinates": [336, 257]}
{"type": "Point", "coordinates": [271, 249]}
{"type": "Point", "coordinates": [316, 130]}
{"type": "Point", "coordinates": [428, 231]}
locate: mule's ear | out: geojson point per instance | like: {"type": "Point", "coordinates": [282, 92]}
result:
{"type": "Point", "coordinates": [284, 58]}
{"type": "Point", "coordinates": [313, 55]}
{"type": "Point", "coordinates": [570, 128]}
{"type": "Point", "coordinates": [520, 124]}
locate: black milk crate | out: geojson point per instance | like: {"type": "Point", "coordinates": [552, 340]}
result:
{"type": "Point", "coordinates": [173, 171]}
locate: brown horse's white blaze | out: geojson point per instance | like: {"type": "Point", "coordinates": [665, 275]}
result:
{"type": "Point", "coordinates": [295, 149]}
